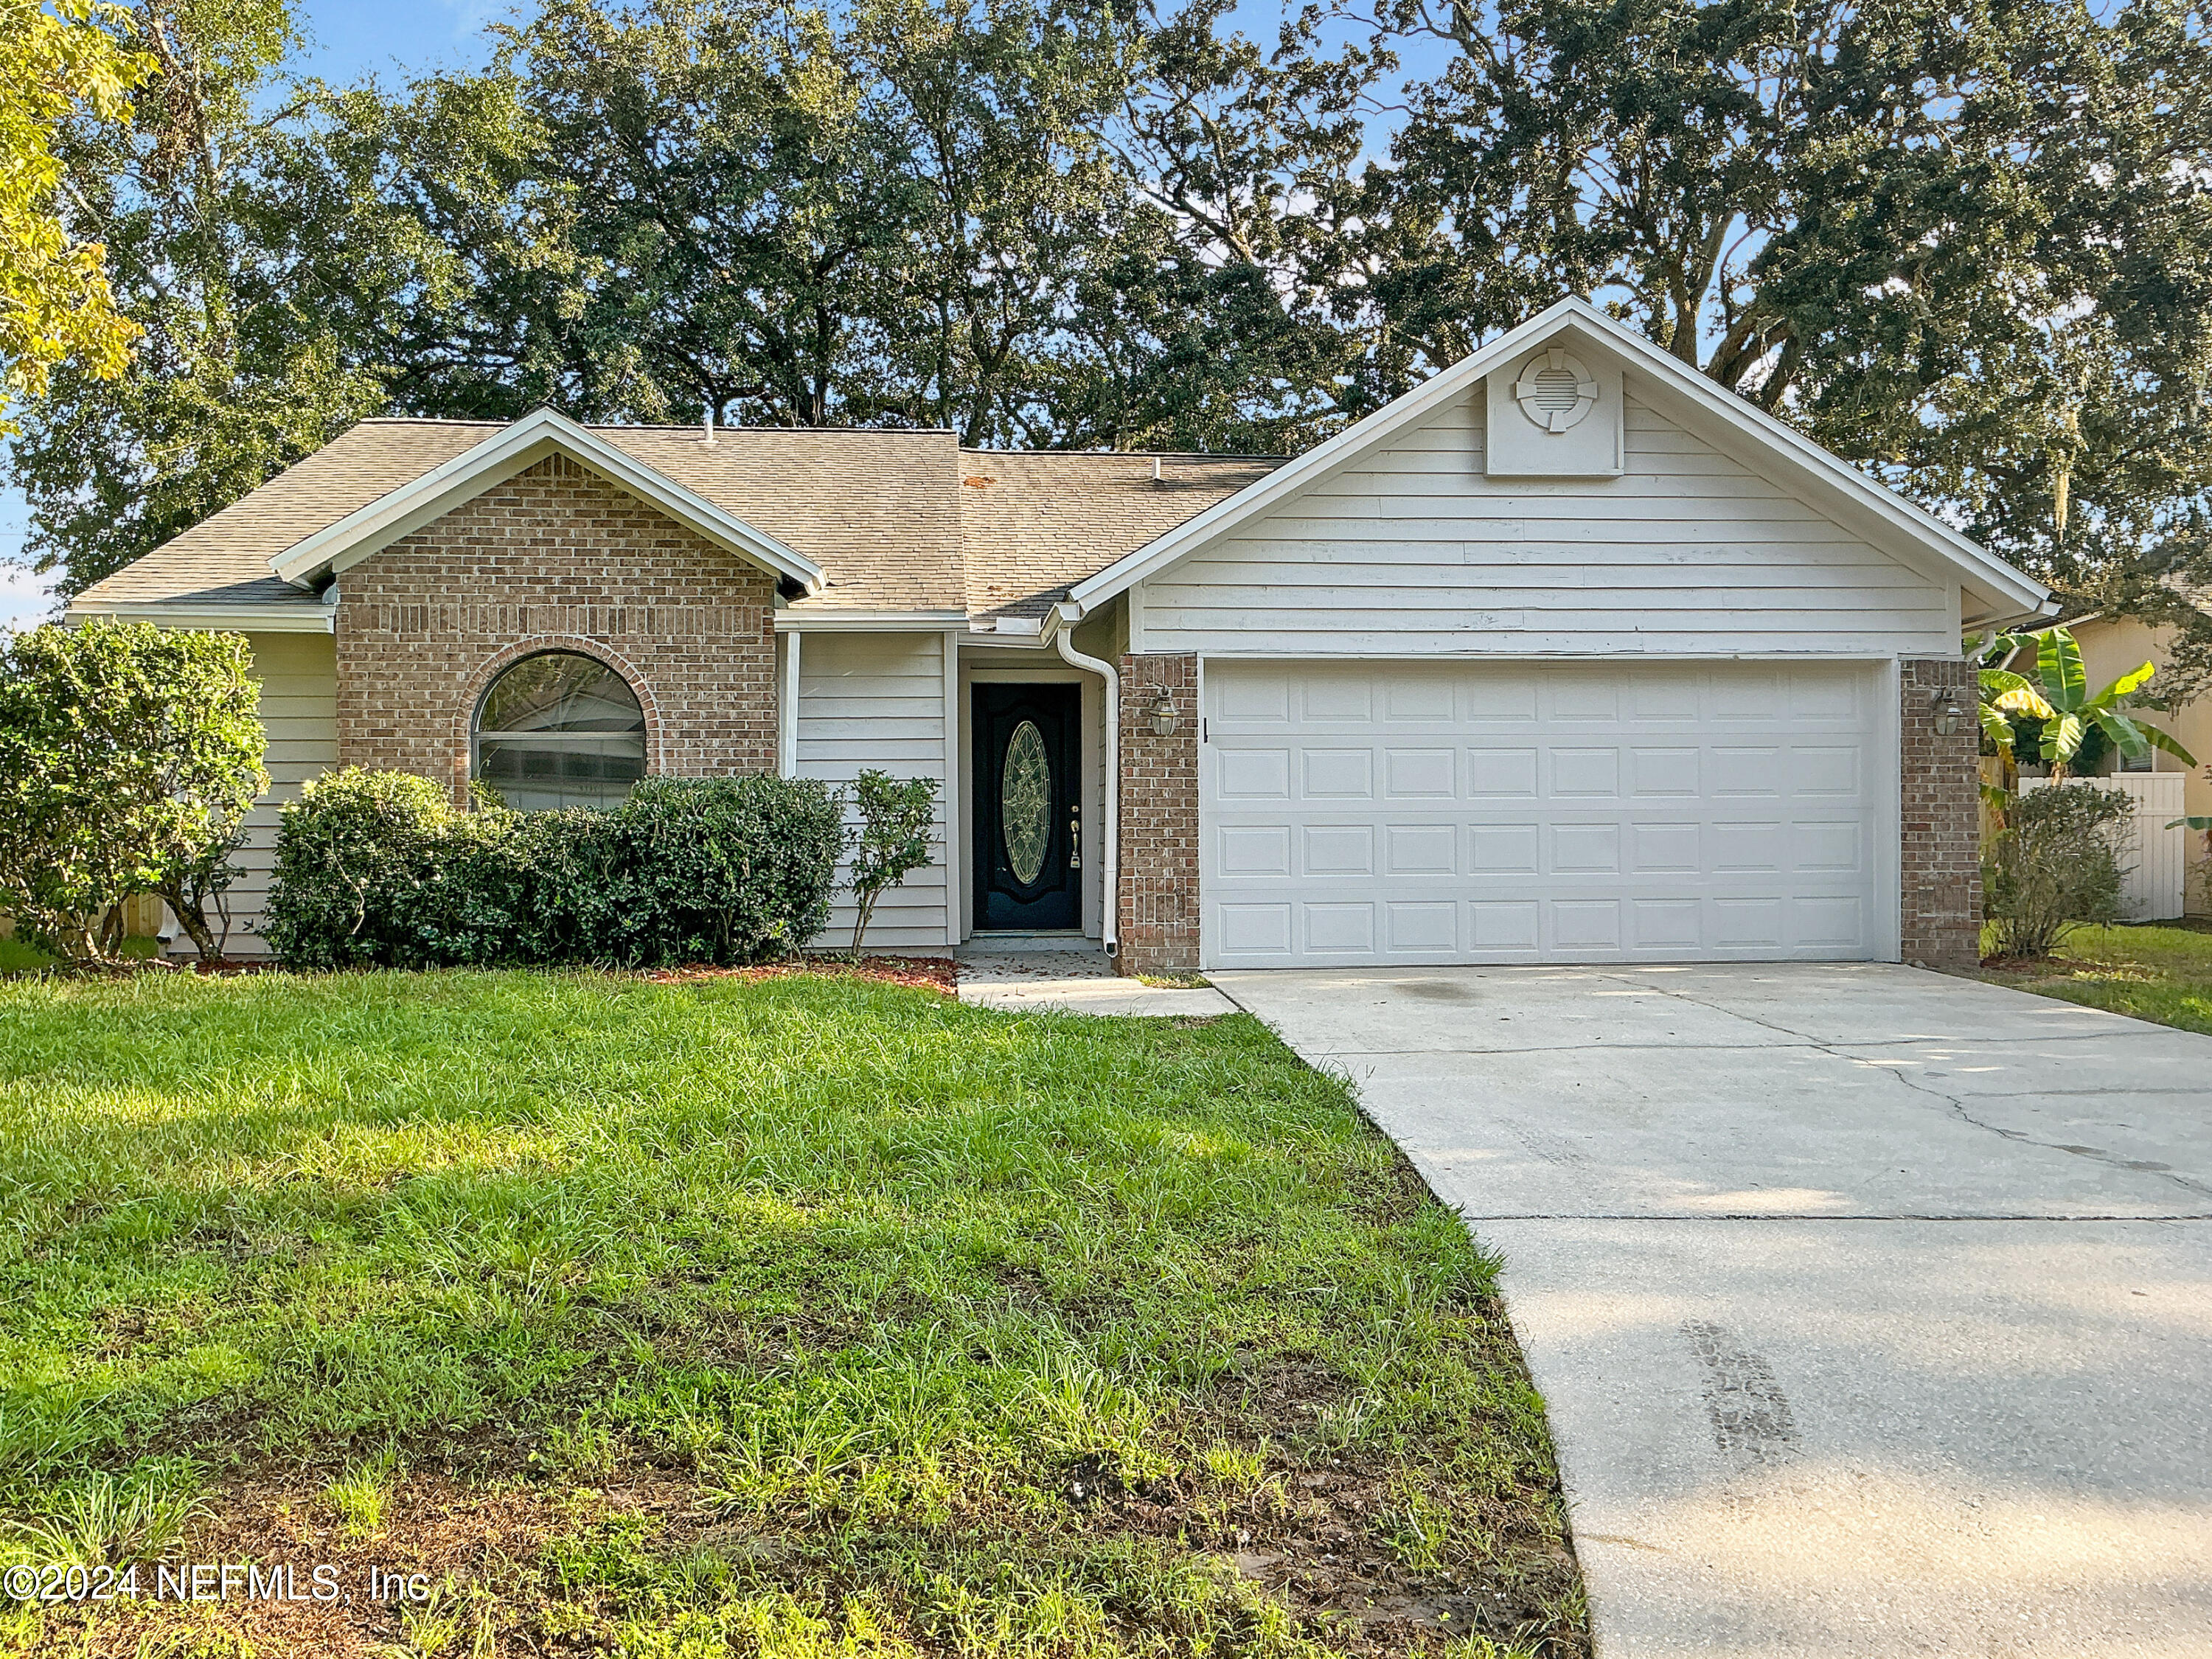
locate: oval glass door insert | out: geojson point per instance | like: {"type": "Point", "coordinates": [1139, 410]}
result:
{"type": "Point", "coordinates": [1025, 801]}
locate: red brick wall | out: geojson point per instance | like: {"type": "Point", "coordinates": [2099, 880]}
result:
{"type": "Point", "coordinates": [1159, 817]}
{"type": "Point", "coordinates": [556, 558]}
{"type": "Point", "coordinates": [1939, 856]}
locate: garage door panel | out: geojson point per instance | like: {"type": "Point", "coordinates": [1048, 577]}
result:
{"type": "Point", "coordinates": [1362, 813]}
{"type": "Point", "coordinates": [1585, 772]}
{"type": "Point", "coordinates": [1665, 849]}
{"type": "Point", "coordinates": [1422, 925]}
{"type": "Point", "coordinates": [1339, 849]}
{"type": "Point", "coordinates": [1507, 928]}
{"type": "Point", "coordinates": [1426, 701]}
{"type": "Point", "coordinates": [1253, 850]}
{"type": "Point", "coordinates": [1664, 773]}
{"type": "Point", "coordinates": [1420, 849]}
{"type": "Point", "coordinates": [1339, 929]}
{"type": "Point", "coordinates": [1502, 774]}
{"type": "Point", "coordinates": [1666, 924]}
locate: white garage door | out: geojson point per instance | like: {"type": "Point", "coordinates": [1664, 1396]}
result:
{"type": "Point", "coordinates": [1373, 813]}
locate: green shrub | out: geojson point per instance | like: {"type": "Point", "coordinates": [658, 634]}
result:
{"type": "Point", "coordinates": [382, 869]}
{"type": "Point", "coordinates": [2057, 861]}
{"type": "Point", "coordinates": [725, 869]}
{"type": "Point", "coordinates": [129, 755]}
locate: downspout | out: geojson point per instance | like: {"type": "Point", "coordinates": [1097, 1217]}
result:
{"type": "Point", "coordinates": [1063, 640]}
{"type": "Point", "coordinates": [786, 722]}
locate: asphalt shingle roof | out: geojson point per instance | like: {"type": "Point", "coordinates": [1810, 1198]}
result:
{"type": "Point", "coordinates": [897, 521]}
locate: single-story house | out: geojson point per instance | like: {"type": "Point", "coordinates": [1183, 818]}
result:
{"type": "Point", "coordinates": [1569, 655]}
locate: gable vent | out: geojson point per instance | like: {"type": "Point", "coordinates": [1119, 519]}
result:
{"type": "Point", "coordinates": [1556, 390]}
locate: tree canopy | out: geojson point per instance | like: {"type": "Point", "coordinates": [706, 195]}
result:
{"type": "Point", "coordinates": [58, 64]}
{"type": "Point", "coordinates": [1970, 249]}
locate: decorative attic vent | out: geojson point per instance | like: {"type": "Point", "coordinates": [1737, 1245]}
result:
{"type": "Point", "coordinates": [1559, 417]}
{"type": "Point", "coordinates": [1555, 391]}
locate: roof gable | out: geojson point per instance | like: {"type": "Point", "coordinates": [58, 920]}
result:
{"type": "Point", "coordinates": [501, 455]}
{"type": "Point", "coordinates": [1762, 444]}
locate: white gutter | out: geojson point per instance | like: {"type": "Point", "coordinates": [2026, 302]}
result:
{"type": "Point", "coordinates": [1063, 639]}
{"type": "Point", "coordinates": [798, 618]}
{"type": "Point", "coordinates": [277, 618]}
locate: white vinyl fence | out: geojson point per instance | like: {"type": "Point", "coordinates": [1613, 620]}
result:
{"type": "Point", "coordinates": [2155, 857]}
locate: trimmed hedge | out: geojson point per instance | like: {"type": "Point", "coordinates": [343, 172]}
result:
{"type": "Point", "coordinates": [380, 869]}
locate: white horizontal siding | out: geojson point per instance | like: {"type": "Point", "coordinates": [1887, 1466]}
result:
{"type": "Point", "coordinates": [877, 701]}
{"type": "Point", "coordinates": [1414, 551]}
{"type": "Point", "coordinates": [299, 709]}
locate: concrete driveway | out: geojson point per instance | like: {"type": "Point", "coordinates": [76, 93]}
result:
{"type": "Point", "coordinates": [1873, 1307]}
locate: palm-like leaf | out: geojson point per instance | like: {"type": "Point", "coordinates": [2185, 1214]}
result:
{"type": "Point", "coordinates": [2062, 738]}
{"type": "Point", "coordinates": [2024, 699]}
{"type": "Point", "coordinates": [2122, 687]}
{"type": "Point", "coordinates": [1995, 727]}
{"type": "Point", "coordinates": [2135, 739]}
{"type": "Point", "coordinates": [2058, 666]}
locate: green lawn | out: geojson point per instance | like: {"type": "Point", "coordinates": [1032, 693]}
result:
{"type": "Point", "coordinates": [804, 1318]}
{"type": "Point", "coordinates": [18, 957]}
{"type": "Point", "coordinates": [2161, 974]}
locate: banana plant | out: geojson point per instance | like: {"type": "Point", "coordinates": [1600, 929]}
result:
{"type": "Point", "coordinates": [2059, 696]}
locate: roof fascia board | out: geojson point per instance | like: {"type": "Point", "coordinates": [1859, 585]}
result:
{"type": "Point", "coordinates": [811, 620]}
{"type": "Point", "coordinates": [232, 618]}
{"type": "Point", "coordinates": [2009, 591]}
{"type": "Point", "coordinates": [505, 452]}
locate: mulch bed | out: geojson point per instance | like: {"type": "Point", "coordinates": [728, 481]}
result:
{"type": "Point", "coordinates": [917, 973]}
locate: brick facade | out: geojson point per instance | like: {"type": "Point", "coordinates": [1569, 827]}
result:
{"type": "Point", "coordinates": [1159, 817]}
{"type": "Point", "coordinates": [556, 559]}
{"type": "Point", "coordinates": [1940, 865]}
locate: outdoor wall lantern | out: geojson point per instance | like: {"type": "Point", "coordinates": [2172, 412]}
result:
{"type": "Point", "coordinates": [1943, 702]}
{"type": "Point", "coordinates": [1163, 713]}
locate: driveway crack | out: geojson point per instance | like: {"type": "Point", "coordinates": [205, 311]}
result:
{"type": "Point", "coordinates": [1958, 1105]}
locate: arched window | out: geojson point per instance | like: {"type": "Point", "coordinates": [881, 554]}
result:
{"type": "Point", "coordinates": [559, 730]}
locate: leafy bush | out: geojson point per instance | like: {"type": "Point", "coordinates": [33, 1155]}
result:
{"type": "Point", "coordinates": [382, 869]}
{"type": "Point", "coordinates": [724, 869]}
{"type": "Point", "coordinates": [129, 755]}
{"type": "Point", "coordinates": [2057, 861]}
{"type": "Point", "coordinates": [892, 843]}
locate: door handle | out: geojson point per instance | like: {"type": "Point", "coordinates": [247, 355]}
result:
{"type": "Point", "coordinates": [1074, 837]}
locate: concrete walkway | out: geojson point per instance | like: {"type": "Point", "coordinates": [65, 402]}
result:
{"type": "Point", "coordinates": [1072, 981]}
{"type": "Point", "coordinates": [1873, 1307]}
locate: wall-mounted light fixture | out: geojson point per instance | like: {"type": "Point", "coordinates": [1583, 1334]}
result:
{"type": "Point", "coordinates": [1943, 703]}
{"type": "Point", "coordinates": [1163, 714]}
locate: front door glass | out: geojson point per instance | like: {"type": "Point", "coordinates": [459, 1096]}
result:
{"type": "Point", "coordinates": [1025, 802]}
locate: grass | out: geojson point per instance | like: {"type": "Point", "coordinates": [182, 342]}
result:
{"type": "Point", "coordinates": [799, 1319]}
{"type": "Point", "coordinates": [2162, 974]}
{"type": "Point", "coordinates": [19, 957]}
